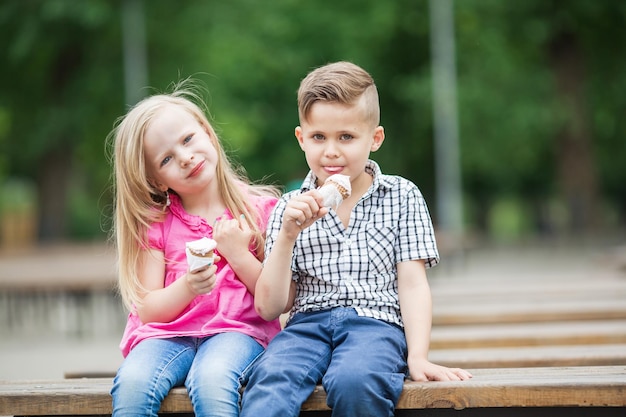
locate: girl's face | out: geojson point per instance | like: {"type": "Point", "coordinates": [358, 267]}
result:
{"type": "Point", "coordinates": [179, 153]}
{"type": "Point", "coordinates": [337, 139]}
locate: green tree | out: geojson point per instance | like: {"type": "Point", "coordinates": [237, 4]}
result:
{"type": "Point", "coordinates": [58, 74]}
{"type": "Point", "coordinates": [540, 94]}
{"type": "Point", "coordinates": [528, 75]}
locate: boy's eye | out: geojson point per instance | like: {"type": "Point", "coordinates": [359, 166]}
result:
{"type": "Point", "coordinates": [165, 160]}
{"type": "Point", "coordinates": [346, 136]}
{"type": "Point", "coordinates": [318, 136]}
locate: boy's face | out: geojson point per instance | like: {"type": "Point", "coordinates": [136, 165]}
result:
{"type": "Point", "coordinates": [337, 139]}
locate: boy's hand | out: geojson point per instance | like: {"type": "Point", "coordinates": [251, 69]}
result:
{"type": "Point", "coordinates": [302, 211]}
{"type": "Point", "coordinates": [232, 236]}
{"type": "Point", "coordinates": [424, 370]}
{"type": "Point", "coordinates": [202, 280]}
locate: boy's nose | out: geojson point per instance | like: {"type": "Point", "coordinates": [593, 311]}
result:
{"type": "Point", "coordinates": [331, 148]}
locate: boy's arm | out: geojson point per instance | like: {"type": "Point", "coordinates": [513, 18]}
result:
{"type": "Point", "coordinates": [275, 289]}
{"type": "Point", "coordinates": [416, 309]}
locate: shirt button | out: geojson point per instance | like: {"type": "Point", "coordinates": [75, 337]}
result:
{"type": "Point", "coordinates": [348, 278]}
{"type": "Point", "coordinates": [348, 242]}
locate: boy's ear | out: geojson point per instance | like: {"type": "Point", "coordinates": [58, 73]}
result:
{"type": "Point", "coordinates": [298, 133]}
{"type": "Point", "coordinates": [378, 139]}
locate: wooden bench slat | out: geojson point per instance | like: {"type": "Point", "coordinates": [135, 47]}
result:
{"type": "Point", "coordinates": [529, 334]}
{"type": "Point", "coordinates": [531, 356]}
{"type": "Point", "coordinates": [79, 267]}
{"type": "Point", "coordinates": [552, 287]}
{"type": "Point", "coordinates": [507, 311]}
{"type": "Point", "coordinates": [58, 397]}
{"type": "Point", "coordinates": [517, 387]}
{"type": "Point", "coordinates": [528, 387]}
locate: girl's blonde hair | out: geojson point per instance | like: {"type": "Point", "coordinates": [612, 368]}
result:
{"type": "Point", "coordinates": [138, 203]}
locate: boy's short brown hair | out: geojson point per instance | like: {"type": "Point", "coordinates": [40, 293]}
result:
{"type": "Point", "coordinates": [339, 82]}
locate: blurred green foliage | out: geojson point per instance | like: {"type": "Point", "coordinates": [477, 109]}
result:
{"type": "Point", "coordinates": [63, 87]}
{"type": "Point", "coordinates": [17, 196]}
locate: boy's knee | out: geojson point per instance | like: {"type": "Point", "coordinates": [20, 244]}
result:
{"type": "Point", "coordinates": [363, 382]}
{"type": "Point", "coordinates": [363, 393]}
{"type": "Point", "coordinates": [348, 379]}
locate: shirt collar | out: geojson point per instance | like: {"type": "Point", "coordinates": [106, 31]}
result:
{"type": "Point", "coordinates": [177, 209]}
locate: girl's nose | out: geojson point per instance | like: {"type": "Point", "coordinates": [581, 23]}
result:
{"type": "Point", "coordinates": [186, 159]}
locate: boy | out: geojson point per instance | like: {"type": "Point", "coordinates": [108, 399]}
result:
{"type": "Point", "coordinates": [355, 278]}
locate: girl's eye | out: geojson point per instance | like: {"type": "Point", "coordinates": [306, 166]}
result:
{"type": "Point", "coordinates": [165, 160]}
{"type": "Point", "coordinates": [187, 139]}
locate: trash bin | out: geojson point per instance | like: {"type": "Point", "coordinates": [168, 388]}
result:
{"type": "Point", "coordinates": [18, 214]}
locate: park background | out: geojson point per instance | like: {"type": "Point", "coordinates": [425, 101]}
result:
{"type": "Point", "coordinates": [537, 89]}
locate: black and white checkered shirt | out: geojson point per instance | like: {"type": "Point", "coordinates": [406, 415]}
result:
{"type": "Point", "coordinates": [356, 267]}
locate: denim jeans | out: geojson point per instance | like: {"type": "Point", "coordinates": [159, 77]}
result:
{"type": "Point", "coordinates": [213, 369]}
{"type": "Point", "coordinates": [360, 361]}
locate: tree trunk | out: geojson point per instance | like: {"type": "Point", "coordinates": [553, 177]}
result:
{"type": "Point", "coordinates": [576, 176]}
{"type": "Point", "coordinates": [52, 190]}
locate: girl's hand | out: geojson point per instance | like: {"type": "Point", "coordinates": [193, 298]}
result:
{"type": "Point", "coordinates": [232, 236]}
{"type": "Point", "coordinates": [424, 370]}
{"type": "Point", "coordinates": [302, 211]}
{"type": "Point", "coordinates": [202, 280]}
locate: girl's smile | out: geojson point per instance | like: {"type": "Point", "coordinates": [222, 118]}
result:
{"type": "Point", "coordinates": [197, 169]}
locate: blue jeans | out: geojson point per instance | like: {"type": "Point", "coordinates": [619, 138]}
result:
{"type": "Point", "coordinates": [360, 361]}
{"type": "Point", "coordinates": [213, 369]}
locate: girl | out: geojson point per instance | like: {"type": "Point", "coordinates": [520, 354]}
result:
{"type": "Point", "coordinates": [174, 184]}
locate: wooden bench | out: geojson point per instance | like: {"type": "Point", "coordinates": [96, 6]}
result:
{"type": "Point", "coordinates": [602, 388]}
{"type": "Point", "coordinates": [534, 345]}
{"type": "Point", "coordinates": [64, 290]}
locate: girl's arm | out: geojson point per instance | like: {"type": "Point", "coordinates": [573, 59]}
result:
{"type": "Point", "coordinates": [233, 243]}
{"type": "Point", "coordinates": [416, 309]}
{"type": "Point", "coordinates": [163, 304]}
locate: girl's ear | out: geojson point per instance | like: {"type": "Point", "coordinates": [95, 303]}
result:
{"type": "Point", "coordinates": [156, 184]}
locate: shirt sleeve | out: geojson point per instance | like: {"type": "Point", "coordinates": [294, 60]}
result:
{"type": "Point", "coordinates": [416, 235]}
{"type": "Point", "coordinates": [265, 205]}
{"type": "Point", "coordinates": [274, 223]}
{"type": "Point", "coordinates": [155, 236]}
